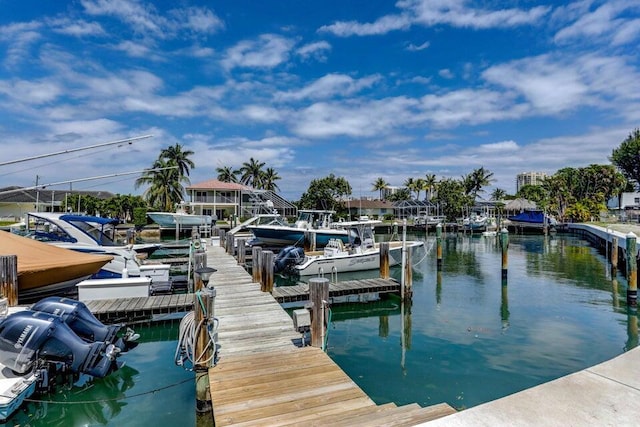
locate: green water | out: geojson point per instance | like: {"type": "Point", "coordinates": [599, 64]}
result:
{"type": "Point", "coordinates": [149, 390]}
{"type": "Point", "coordinates": [466, 339]}
{"type": "Point", "coordinates": [469, 338]}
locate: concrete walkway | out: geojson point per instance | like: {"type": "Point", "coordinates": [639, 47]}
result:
{"type": "Point", "coordinates": [603, 395]}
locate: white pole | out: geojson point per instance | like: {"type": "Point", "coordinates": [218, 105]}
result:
{"type": "Point", "coordinates": [404, 256]}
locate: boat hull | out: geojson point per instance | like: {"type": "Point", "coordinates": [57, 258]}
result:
{"type": "Point", "coordinates": [368, 260]}
{"type": "Point", "coordinates": [290, 236]}
{"type": "Point", "coordinates": [168, 220]}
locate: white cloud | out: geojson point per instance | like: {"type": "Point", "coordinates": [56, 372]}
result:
{"type": "Point", "coordinates": [330, 86]}
{"type": "Point", "coordinates": [499, 147]}
{"type": "Point", "coordinates": [76, 27]}
{"type": "Point", "coordinates": [268, 51]}
{"type": "Point", "coordinates": [429, 13]}
{"type": "Point", "coordinates": [34, 92]}
{"type": "Point", "coordinates": [316, 50]}
{"type": "Point", "coordinates": [414, 48]}
{"type": "Point", "coordinates": [446, 73]}
{"type": "Point", "coordinates": [607, 22]}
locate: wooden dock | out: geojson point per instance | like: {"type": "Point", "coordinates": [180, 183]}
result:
{"type": "Point", "coordinates": [132, 310]}
{"type": "Point", "coordinates": [263, 376]}
{"type": "Point", "coordinates": [296, 293]}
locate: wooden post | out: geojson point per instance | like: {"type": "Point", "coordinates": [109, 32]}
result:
{"type": "Point", "coordinates": [439, 247]}
{"type": "Point", "coordinates": [309, 243]}
{"type": "Point", "coordinates": [383, 326]}
{"type": "Point", "coordinates": [504, 305]}
{"type": "Point", "coordinates": [242, 252]}
{"type": "Point", "coordinates": [614, 256]}
{"type": "Point", "coordinates": [504, 244]}
{"type": "Point", "coordinates": [231, 242]}
{"type": "Point", "coordinates": [256, 264]}
{"type": "Point", "coordinates": [384, 260]}
{"type": "Point", "coordinates": [267, 271]}
{"type": "Point", "coordinates": [438, 287]}
{"type": "Point", "coordinates": [204, 349]}
{"type": "Point", "coordinates": [408, 275]}
{"type": "Point", "coordinates": [199, 261]}
{"type": "Point", "coordinates": [223, 238]}
{"type": "Point", "coordinates": [319, 298]}
{"type": "Point", "coordinates": [632, 270]}
{"type": "Point", "coordinates": [9, 278]}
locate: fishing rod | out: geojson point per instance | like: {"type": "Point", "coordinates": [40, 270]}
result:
{"type": "Point", "coordinates": [52, 184]}
{"type": "Point", "coordinates": [72, 150]}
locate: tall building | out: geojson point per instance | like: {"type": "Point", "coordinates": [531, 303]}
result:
{"type": "Point", "coordinates": [529, 178]}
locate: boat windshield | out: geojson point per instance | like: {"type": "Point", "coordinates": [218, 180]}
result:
{"type": "Point", "coordinates": [103, 235]}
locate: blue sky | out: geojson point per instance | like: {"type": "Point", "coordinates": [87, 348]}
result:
{"type": "Point", "coordinates": [360, 89]}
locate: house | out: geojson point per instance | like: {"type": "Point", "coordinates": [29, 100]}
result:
{"type": "Point", "coordinates": [230, 199]}
{"type": "Point", "coordinates": [366, 207]}
{"type": "Point", "coordinates": [15, 201]}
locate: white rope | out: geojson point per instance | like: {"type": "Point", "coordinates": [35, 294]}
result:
{"type": "Point", "coordinates": [188, 335]}
{"type": "Point", "coordinates": [426, 252]}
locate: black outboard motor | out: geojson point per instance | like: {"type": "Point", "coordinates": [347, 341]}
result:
{"type": "Point", "coordinates": [80, 319]}
{"type": "Point", "coordinates": [27, 336]}
{"type": "Point", "coordinates": [287, 257]}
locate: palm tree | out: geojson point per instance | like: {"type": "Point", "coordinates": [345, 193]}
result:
{"type": "Point", "coordinates": [498, 194]}
{"type": "Point", "coordinates": [165, 185]}
{"type": "Point", "coordinates": [421, 184]}
{"type": "Point", "coordinates": [431, 182]}
{"type": "Point", "coordinates": [269, 178]}
{"type": "Point", "coordinates": [379, 185]}
{"type": "Point", "coordinates": [226, 174]}
{"type": "Point", "coordinates": [477, 179]}
{"type": "Point", "coordinates": [251, 172]}
{"type": "Point", "coordinates": [410, 184]}
{"type": "Point", "coordinates": [176, 155]}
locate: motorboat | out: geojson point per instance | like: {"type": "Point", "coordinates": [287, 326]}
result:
{"type": "Point", "coordinates": [309, 220]}
{"type": "Point", "coordinates": [89, 235]}
{"type": "Point", "coordinates": [47, 269]}
{"type": "Point", "coordinates": [54, 337]}
{"type": "Point", "coordinates": [181, 219]}
{"type": "Point", "coordinates": [89, 230]}
{"type": "Point", "coordinates": [531, 219]}
{"type": "Point", "coordinates": [361, 253]}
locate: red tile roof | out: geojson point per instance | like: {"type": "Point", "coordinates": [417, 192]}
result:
{"type": "Point", "coordinates": [214, 184]}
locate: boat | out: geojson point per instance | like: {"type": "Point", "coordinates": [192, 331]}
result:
{"type": "Point", "coordinates": [309, 220]}
{"type": "Point", "coordinates": [90, 235]}
{"type": "Point", "coordinates": [52, 338]}
{"type": "Point", "coordinates": [361, 253]}
{"type": "Point", "coordinates": [48, 269]}
{"type": "Point", "coordinates": [181, 219]}
{"type": "Point", "coordinates": [479, 223]}
{"type": "Point", "coordinates": [531, 219]}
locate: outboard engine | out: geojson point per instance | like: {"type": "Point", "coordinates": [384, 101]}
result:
{"type": "Point", "coordinates": [29, 336]}
{"type": "Point", "coordinates": [287, 257]}
{"type": "Point", "coordinates": [81, 321]}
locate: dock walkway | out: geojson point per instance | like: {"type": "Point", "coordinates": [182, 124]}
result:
{"type": "Point", "coordinates": [349, 287]}
{"type": "Point", "coordinates": [263, 376]}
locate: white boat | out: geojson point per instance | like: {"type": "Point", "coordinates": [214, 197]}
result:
{"type": "Point", "coordinates": [283, 234]}
{"type": "Point", "coordinates": [362, 253]}
{"type": "Point", "coordinates": [181, 219]}
{"type": "Point", "coordinates": [87, 234]}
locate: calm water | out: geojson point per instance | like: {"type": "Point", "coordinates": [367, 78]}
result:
{"type": "Point", "coordinates": [468, 339]}
{"type": "Point", "coordinates": [465, 340]}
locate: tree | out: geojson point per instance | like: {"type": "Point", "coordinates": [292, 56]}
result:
{"type": "Point", "coordinates": [627, 157]}
{"type": "Point", "coordinates": [477, 179]}
{"type": "Point", "coordinates": [175, 155]}
{"type": "Point", "coordinates": [534, 193]}
{"type": "Point", "coordinates": [400, 195]}
{"type": "Point", "coordinates": [165, 185]}
{"type": "Point", "coordinates": [420, 185]}
{"type": "Point", "coordinates": [268, 180]}
{"type": "Point", "coordinates": [226, 174]}
{"type": "Point", "coordinates": [452, 198]}
{"type": "Point", "coordinates": [379, 184]}
{"type": "Point", "coordinates": [431, 182]}
{"type": "Point", "coordinates": [498, 194]}
{"type": "Point", "coordinates": [325, 193]}
{"type": "Point", "coordinates": [252, 173]}
{"type": "Point", "coordinates": [411, 185]}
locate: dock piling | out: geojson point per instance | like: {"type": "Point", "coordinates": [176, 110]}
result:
{"type": "Point", "coordinates": [384, 260]}
{"type": "Point", "coordinates": [266, 284]}
{"type": "Point", "coordinates": [242, 251]}
{"type": "Point", "coordinates": [632, 270]}
{"type": "Point", "coordinates": [439, 247]}
{"type": "Point", "coordinates": [319, 299]}
{"type": "Point", "coordinates": [9, 278]}
{"type": "Point", "coordinates": [504, 244]}
{"type": "Point", "coordinates": [614, 256]}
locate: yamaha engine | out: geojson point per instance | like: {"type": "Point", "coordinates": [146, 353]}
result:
{"type": "Point", "coordinates": [288, 257]}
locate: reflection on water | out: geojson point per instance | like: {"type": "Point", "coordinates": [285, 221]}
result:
{"type": "Point", "coordinates": [470, 337]}
{"type": "Point", "coordinates": [148, 390]}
